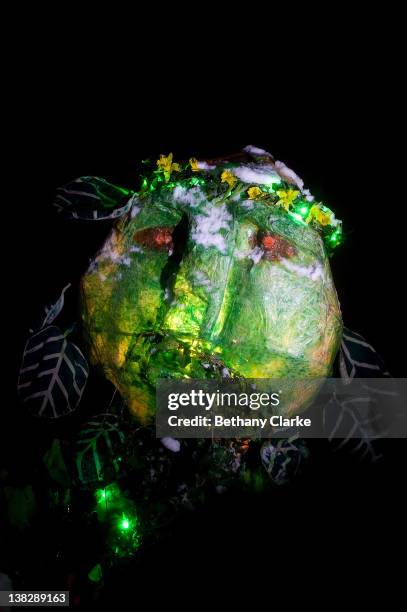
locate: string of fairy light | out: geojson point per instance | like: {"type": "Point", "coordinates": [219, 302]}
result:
{"type": "Point", "coordinates": [169, 174]}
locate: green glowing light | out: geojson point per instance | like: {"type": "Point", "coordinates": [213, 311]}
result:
{"type": "Point", "coordinates": [125, 524]}
{"type": "Point", "coordinates": [107, 494]}
{"type": "Point", "coordinates": [101, 496]}
{"type": "Point", "coordinates": [304, 210]}
{"type": "Point", "coordinates": [335, 238]}
{"type": "Point", "coordinates": [296, 216]}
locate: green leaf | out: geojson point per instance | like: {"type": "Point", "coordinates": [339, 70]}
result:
{"type": "Point", "coordinates": [21, 505]}
{"type": "Point", "coordinates": [96, 574]}
{"type": "Point", "coordinates": [55, 464]}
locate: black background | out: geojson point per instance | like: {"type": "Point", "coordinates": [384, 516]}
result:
{"type": "Point", "coordinates": [336, 120]}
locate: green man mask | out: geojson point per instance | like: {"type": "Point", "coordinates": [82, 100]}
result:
{"type": "Point", "coordinates": [216, 270]}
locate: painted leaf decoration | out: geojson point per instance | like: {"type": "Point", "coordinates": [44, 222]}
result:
{"type": "Point", "coordinates": [282, 459]}
{"type": "Point", "coordinates": [351, 421]}
{"type": "Point", "coordinates": [358, 359]}
{"type": "Point", "coordinates": [97, 449]}
{"type": "Point", "coordinates": [53, 374]}
{"type": "Point", "coordinates": [93, 199]}
{"type": "Point", "coordinates": [55, 309]}
{"type": "Point", "coordinates": [55, 464]}
{"type": "Point", "coordinates": [352, 424]}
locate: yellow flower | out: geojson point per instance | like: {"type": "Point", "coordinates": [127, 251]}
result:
{"type": "Point", "coordinates": [254, 192]}
{"type": "Point", "coordinates": [228, 177]}
{"type": "Point", "coordinates": [320, 216]}
{"type": "Point", "coordinates": [194, 164]}
{"type": "Point", "coordinates": [287, 197]}
{"type": "Point", "coordinates": [165, 164]}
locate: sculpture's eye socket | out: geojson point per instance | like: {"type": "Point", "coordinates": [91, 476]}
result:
{"type": "Point", "coordinates": [157, 238]}
{"type": "Point", "coordinates": [274, 246]}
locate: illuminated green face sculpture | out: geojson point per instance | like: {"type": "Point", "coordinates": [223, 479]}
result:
{"type": "Point", "coordinates": [217, 271]}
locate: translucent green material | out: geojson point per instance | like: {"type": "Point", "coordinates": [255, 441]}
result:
{"type": "Point", "coordinates": [201, 284]}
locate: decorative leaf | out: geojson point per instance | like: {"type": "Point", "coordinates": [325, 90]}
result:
{"type": "Point", "coordinates": [96, 573]}
{"type": "Point", "coordinates": [282, 459]}
{"type": "Point", "coordinates": [55, 464]}
{"type": "Point", "coordinates": [98, 443]}
{"type": "Point", "coordinates": [352, 421]}
{"type": "Point", "coordinates": [93, 199]}
{"type": "Point", "coordinates": [358, 359]}
{"type": "Point", "coordinates": [55, 309]}
{"type": "Point", "coordinates": [53, 374]}
{"type": "Point", "coordinates": [21, 505]}
{"type": "Point", "coordinates": [351, 424]}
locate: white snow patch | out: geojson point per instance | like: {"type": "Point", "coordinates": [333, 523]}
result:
{"type": "Point", "coordinates": [334, 221]}
{"type": "Point", "coordinates": [256, 254]}
{"type": "Point", "coordinates": [288, 174]}
{"type": "Point", "coordinates": [205, 166]}
{"type": "Point", "coordinates": [192, 196]}
{"type": "Point", "coordinates": [92, 266]}
{"type": "Point", "coordinates": [201, 280]}
{"type": "Point", "coordinates": [308, 195]}
{"type": "Point", "coordinates": [134, 211]}
{"type": "Point", "coordinates": [208, 225]}
{"type": "Point", "coordinates": [259, 175]}
{"type": "Point", "coordinates": [313, 272]}
{"type": "Point", "coordinates": [108, 252]}
{"type": "Point", "coordinates": [172, 444]}
{"type": "Point", "coordinates": [256, 151]}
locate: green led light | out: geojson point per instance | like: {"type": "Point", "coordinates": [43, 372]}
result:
{"type": "Point", "coordinates": [101, 496]}
{"type": "Point", "coordinates": [107, 494]}
{"type": "Point", "coordinates": [335, 238]}
{"type": "Point", "coordinates": [296, 216]}
{"type": "Point", "coordinates": [125, 524]}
